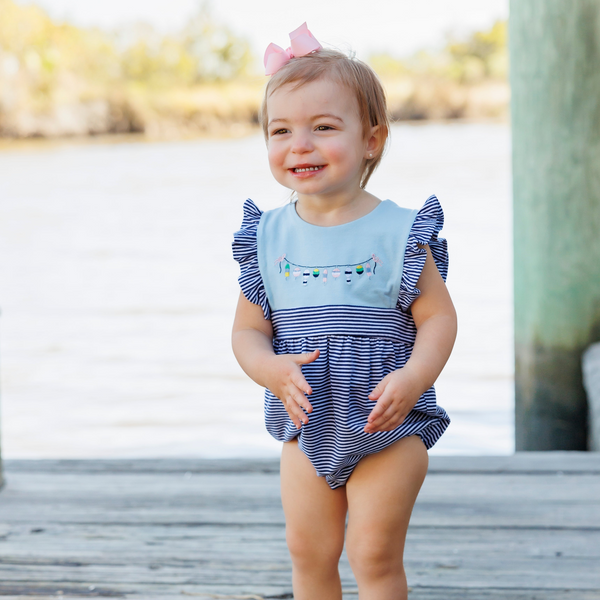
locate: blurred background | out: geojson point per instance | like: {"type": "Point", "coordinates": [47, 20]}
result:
{"type": "Point", "coordinates": [129, 140]}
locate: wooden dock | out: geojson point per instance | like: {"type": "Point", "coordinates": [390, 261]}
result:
{"type": "Point", "coordinates": [520, 527]}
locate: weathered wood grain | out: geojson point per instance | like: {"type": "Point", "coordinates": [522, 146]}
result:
{"type": "Point", "coordinates": [555, 86]}
{"type": "Point", "coordinates": [490, 500]}
{"type": "Point", "coordinates": [519, 527]}
{"type": "Point", "coordinates": [532, 462]}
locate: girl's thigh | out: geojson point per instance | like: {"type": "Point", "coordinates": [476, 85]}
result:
{"type": "Point", "coordinates": [381, 493]}
{"type": "Point", "coordinates": [315, 514]}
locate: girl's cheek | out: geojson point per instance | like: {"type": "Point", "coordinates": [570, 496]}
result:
{"type": "Point", "coordinates": [339, 152]}
{"type": "Point", "coordinates": [276, 162]}
{"type": "Point", "coordinates": [273, 155]}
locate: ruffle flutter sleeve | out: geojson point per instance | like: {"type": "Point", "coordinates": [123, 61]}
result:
{"type": "Point", "coordinates": [245, 251]}
{"type": "Point", "coordinates": [425, 229]}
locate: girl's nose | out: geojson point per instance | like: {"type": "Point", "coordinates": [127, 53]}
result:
{"type": "Point", "coordinates": [301, 143]}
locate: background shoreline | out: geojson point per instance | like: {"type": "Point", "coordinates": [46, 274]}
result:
{"type": "Point", "coordinates": [59, 80]}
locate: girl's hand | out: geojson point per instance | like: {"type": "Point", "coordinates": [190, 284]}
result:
{"type": "Point", "coordinates": [396, 395]}
{"type": "Point", "coordinates": [284, 378]}
{"type": "Point", "coordinates": [252, 340]}
{"type": "Point", "coordinates": [435, 319]}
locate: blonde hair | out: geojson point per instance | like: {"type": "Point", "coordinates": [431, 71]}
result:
{"type": "Point", "coordinates": [360, 80]}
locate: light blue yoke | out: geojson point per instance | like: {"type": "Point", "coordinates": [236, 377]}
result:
{"type": "Point", "coordinates": [355, 264]}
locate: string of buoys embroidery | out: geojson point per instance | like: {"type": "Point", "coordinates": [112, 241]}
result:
{"type": "Point", "coordinates": [366, 267]}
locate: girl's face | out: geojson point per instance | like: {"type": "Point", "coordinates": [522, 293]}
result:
{"type": "Point", "coordinates": [315, 139]}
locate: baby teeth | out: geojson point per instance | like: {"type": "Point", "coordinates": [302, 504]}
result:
{"type": "Point", "coordinates": [307, 169]}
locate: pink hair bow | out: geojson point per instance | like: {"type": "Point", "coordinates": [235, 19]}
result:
{"type": "Point", "coordinates": [302, 42]}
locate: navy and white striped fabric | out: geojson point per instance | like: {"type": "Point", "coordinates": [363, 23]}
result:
{"type": "Point", "coordinates": [245, 251]}
{"type": "Point", "coordinates": [359, 346]}
{"type": "Point", "coordinates": [426, 227]}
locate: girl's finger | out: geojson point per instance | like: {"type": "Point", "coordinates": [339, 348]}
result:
{"type": "Point", "coordinates": [393, 423]}
{"type": "Point", "coordinates": [386, 408]}
{"type": "Point", "coordinates": [376, 393]}
{"type": "Point", "coordinates": [391, 427]}
{"type": "Point", "coordinates": [307, 357]}
{"type": "Point", "coordinates": [302, 384]}
{"type": "Point", "coordinates": [382, 405]}
{"type": "Point", "coordinates": [375, 427]}
{"type": "Point", "coordinates": [295, 420]}
{"type": "Point", "coordinates": [298, 399]}
{"type": "Point", "coordinates": [295, 413]}
{"type": "Point", "coordinates": [301, 400]}
{"type": "Point", "coordinates": [379, 388]}
{"type": "Point", "coordinates": [388, 422]}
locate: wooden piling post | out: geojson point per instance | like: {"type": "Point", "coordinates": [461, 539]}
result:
{"type": "Point", "coordinates": [555, 80]}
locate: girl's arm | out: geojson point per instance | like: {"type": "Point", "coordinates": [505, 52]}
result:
{"type": "Point", "coordinates": [435, 319]}
{"type": "Point", "coordinates": [252, 341]}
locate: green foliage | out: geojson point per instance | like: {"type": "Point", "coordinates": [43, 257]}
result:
{"type": "Point", "coordinates": [48, 52]}
{"type": "Point", "coordinates": [218, 54]}
{"type": "Point", "coordinates": [57, 79]}
{"type": "Point", "coordinates": [483, 55]}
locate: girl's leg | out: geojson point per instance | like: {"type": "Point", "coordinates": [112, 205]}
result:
{"type": "Point", "coordinates": [315, 517]}
{"type": "Point", "coordinates": [381, 493]}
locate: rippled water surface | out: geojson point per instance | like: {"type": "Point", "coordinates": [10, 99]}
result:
{"type": "Point", "coordinates": [117, 289]}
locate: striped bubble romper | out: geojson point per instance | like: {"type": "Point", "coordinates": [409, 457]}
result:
{"type": "Point", "coordinates": [346, 290]}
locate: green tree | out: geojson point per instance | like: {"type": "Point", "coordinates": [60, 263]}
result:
{"type": "Point", "coordinates": [218, 52]}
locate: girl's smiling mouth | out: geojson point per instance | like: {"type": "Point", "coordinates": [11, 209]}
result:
{"type": "Point", "coordinates": [307, 168]}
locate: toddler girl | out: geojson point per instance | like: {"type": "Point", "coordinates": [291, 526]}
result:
{"type": "Point", "coordinates": [344, 317]}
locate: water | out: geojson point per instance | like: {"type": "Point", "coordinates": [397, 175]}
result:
{"type": "Point", "coordinates": [117, 289]}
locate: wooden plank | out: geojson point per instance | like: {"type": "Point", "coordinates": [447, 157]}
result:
{"type": "Point", "coordinates": [451, 554]}
{"type": "Point", "coordinates": [501, 530]}
{"type": "Point", "coordinates": [446, 593]}
{"type": "Point", "coordinates": [145, 465]}
{"type": "Point", "coordinates": [524, 462]}
{"type": "Point", "coordinates": [528, 463]}
{"type": "Point", "coordinates": [442, 593]}
{"type": "Point", "coordinates": [446, 499]}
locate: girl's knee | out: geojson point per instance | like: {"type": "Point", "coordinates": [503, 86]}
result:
{"type": "Point", "coordinates": [310, 551]}
{"type": "Point", "coordinates": [374, 559]}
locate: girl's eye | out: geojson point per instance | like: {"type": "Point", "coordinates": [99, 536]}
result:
{"type": "Point", "coordinates": [279, 131]}
{"type": "Point", "coordinates": [323, 128]}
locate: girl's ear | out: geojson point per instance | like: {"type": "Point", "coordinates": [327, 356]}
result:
{"type": "Point", "coordinates": [374, 142]}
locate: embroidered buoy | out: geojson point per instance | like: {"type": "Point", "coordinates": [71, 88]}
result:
{"type": "Point", "coordinates": [336, 273]}
{"type": "Point", "coordinates": [348, 275]}
{"type": "Point", "coordinates": [305, 277]}
{"type": "Point", "coordinates": [359, 269]}
{"type": "Point", "coordinates": [376, 261]}
{"type": "Point", "coordinates": [368, 269]}
{"type": "Point", "coordinates": [287, 271]}
{"type": "Point", "coordinates": [297, 272]}
{"type": "Point", "coordinates": [316, 273]}
{"type": "Point", "coordinates": [279, 260]}
{"type": "Point", "coordinates": [324, 276]}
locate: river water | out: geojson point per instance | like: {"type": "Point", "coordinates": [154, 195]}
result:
{"type": "Point", "coordinates": [117, 290]}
